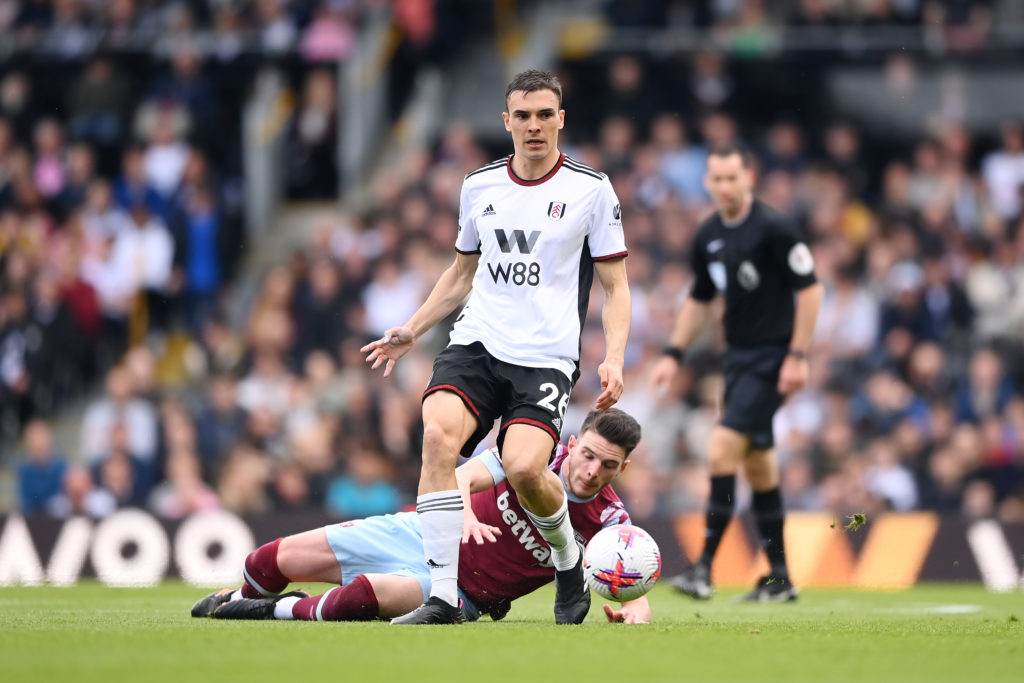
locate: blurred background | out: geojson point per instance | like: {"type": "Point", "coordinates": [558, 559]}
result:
{"type": "Point", "coordinates": [208, 206]}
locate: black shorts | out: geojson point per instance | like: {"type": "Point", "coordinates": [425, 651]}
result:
{"type": "Point", "coordinates": [751, 392]}
{"type": "Point", "coordinates": [494, 389]}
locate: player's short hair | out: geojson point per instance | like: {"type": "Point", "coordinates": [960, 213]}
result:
{"type": "Point", "coordinates": [727, 149]}
{"type": "Point", "coordinates": [618, 427]}
{"type": "Point", "coordinates": [533, 80]}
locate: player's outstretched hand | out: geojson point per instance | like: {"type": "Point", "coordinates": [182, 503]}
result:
{"type": "Point", "coordinates": [611, 385]}
{"type": "Point", "coordinates": [663, 373]}
{"type": "Point", "coordinates": [622, 616]}
{"type": "Point", "coordinates": [479, 532]}
{"type": "Point", "coordinates": [395, 343]}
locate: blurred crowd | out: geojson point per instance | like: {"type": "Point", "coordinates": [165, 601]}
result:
{"type": "Point", "coordinates": [120, 279]}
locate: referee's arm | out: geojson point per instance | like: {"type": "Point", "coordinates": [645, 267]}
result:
{"type": "Point", "coordinates": [794, 372]}
{"type": "Point", "coordinates": [692, 318]}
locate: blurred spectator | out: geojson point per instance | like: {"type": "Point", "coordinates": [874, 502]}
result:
{"type": "Point", "coordinates": [1003, 171]}
{"type": "Point", "coordinates": [49, 172]}
{"type": "Point", "coordinates": [166, 155]}
{"type": "Point", "coordinates": [183, 493]}
{"type": "Point", "coordinates": [365, 488]}
{"type": "Point", "coordinates": [80, 497]}
{"type": "Point", "coordinates": [321, 310]}
{"type": "Point", "coordinates": [98, 103]}
{"type": "Point", "coordinates": [994, 283]}
{"type": "Point", "coordinates": [278, 32]}
{"type": "Point", "coordinates": [330, 37]}
{"type": "Point", "coordinates": [985, 391]}
{"type": "Point", "coordinates": [312, 146]}
{"type": "Point", "coordinates": [51, 335]}
{"type": "Point", "coordinates": [242, 480]}
{"type": "Point", "coordinates": [145, 251]}
{"type": "Point", "coordinates": [220, 423]}
{"type": "Point", "coordinates": [41, 474]}
{"type": "Point", "coordinates": [186, 87]}
{"type": "Point", "coordinates": [133, 186]}
{"type": "Point", "coordinates": [119, 409]}
{"type": "Point", "coordinates": [120, 474]}
{"type": "Point", "coordinates": [198, 260]}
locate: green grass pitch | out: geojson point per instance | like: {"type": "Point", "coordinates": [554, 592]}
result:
{"type": "Point", "coordinates": [932, 633]}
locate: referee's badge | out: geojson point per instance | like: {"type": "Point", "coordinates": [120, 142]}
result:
{"type": "Point", "coordinates": [801, 261]}
{"type": "Point", "coordinates": [747, 276]}
{"type": "Point", "coordinates": [556, 210]}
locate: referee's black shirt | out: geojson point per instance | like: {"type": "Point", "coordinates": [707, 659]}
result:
{"type": "Point", "coordinates": [758, 264]}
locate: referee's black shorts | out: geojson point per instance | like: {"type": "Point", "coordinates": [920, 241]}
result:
{"type": "Point", "coordinates": [751, 392]}
{"type": "Point", "coordinates": [494, 389]}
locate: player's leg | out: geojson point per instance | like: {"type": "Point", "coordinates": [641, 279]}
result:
{"type": "Point", "coordinates": [526, 451]}
{"type": "Point", "coordinates": [725, 454]}
{"type": "Point", "coordinates": [269, 569]}
{"type": "Point", "coordinates": [447, 425]}
{"type": "Point", "coordinates": [366, 597]}
{"type": "Point", "coordinates": [762, 471]}
{"type": "Point", "coordinates": [457, 411]}
{"type": "Point", "coordinates": [726, 450]}
{"type": "Point", "coordinates": [378, 560]}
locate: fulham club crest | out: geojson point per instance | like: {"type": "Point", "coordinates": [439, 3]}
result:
{"type": "Point", "coordinates": [556, 210]}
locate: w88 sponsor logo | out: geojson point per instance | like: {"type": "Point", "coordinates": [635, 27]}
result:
{"type": "Point", "coordinates": [518, 273]}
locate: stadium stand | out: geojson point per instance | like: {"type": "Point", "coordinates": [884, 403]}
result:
{"type": "Point", "coordinates": [190, 367]}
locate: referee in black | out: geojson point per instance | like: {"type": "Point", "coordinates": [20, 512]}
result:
{"type": "Point", "coordinates": [756, 258]}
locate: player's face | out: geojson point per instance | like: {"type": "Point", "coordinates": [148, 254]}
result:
{"type": "Point", "coordinates": [592, 464]}
{"type": "Point", "coordinates": [534, 120]}
{"type": "Point", "coordinates": [728, 182]}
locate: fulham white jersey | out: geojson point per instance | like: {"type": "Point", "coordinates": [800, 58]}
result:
{"type": "Point", "coordinates": [538, 241]}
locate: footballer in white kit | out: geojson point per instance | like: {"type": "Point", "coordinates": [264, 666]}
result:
{"type": "Point", "coordinates": [534, 229]}
{"type": "Point", "coordinates": [537, 241]}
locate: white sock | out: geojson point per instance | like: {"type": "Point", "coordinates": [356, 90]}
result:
{"type": "Point", "coordinates": [237, 595]}
{"type": "Point", "coordinates": [283, 608]}
{"type": "Point", "coordinates": [557, 531]}
{"type": "Point", "coordinates": [441, 518]}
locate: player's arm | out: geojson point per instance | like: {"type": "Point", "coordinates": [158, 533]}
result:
{"type": "Point", "coordinates": [692, 318]}
{"type": "Point", "coordinates": [795, 371]}
{"type": "Point", "coordinates": [474, 476]}
{"type": "Point", "coordinates": [451, 289]}
{"type": "Point", "coordinates": [615, 316]}
{"type": "Point", "coordinates": [631, 612]}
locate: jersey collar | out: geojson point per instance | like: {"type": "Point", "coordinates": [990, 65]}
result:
{"type": "Point", "coordinates": [547, 176]}
{"type": "Point", "coordinates": [573, 498]}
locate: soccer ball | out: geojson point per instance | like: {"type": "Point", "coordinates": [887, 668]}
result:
{"type": "Point", "coordinates": [621, 562]}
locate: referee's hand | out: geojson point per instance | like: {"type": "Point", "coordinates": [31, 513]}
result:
{"type": "Point", "coordinates": [793, 375]}
{"type": "Point", "coordinates": [663, 373]}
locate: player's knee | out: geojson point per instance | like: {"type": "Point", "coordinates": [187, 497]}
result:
{"type": "Point", "coordinates": [525, 478]}
{"type": "Point", "coordinates": [439, 447]}
{"type": "Point", "coordinates": [435, 440]}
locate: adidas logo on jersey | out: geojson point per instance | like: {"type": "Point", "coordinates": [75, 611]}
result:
{"type": "Point", "coordinates": [489, 211]}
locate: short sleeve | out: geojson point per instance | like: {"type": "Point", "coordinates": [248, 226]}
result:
{"type": "Point", "coordinates": [492, 462]}
{"type": "Point", "coordinates": [614, 513]}
{"type": "Point", "coordinates": [791, 251]}
{"type": "Point", "coordinates": [703, 286]}
{"type": "Point", "coordinates": [468, 239]}
{"type": "Point", "coordinates": [606, 237]}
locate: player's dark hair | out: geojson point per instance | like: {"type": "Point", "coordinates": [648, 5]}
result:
{"type": "Point", "coordinates": [616, 426]}
{"type": "Point", "coordinates": [727, 149]}
{"type": "Point", "coordinates": [533, 80]}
